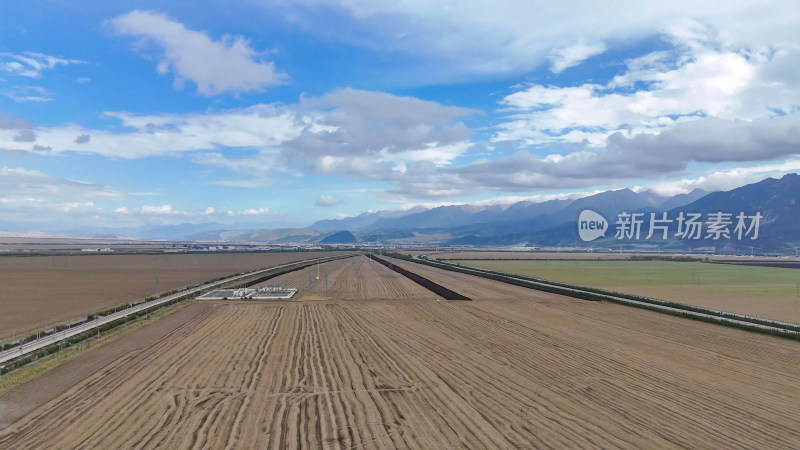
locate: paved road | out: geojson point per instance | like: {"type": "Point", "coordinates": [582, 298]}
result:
{"type": "Point", "coordinates": [39, 344]}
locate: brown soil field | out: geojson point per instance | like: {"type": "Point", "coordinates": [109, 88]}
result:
{"type": "Point", "coordinates": [300, 279]}
{"type": "Point", "coordinates": [472, 286]}
{"type": "Point", "coordinates": [356, 278]}
{"type": "Point", "coordinates": [484, 374]}
{"type": "Point", "coordinates": [365, 279]}
{"type": "Point", "coordinates": [19, 402]}
{"type": "Point", "coordinates": [516, 371]}
{"type": "Point", "coordinates": [38, 291]}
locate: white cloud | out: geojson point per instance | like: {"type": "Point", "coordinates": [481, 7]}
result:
{"type": "Point", "coordinates": [371, 134]}
{"type": "Point", "coordinates": [215, 66]}
{"type": "Point", "coordinates": [725, 180]}
{"type": "Point", "coordinates": [260, 168]}
{"type": "Point", "coordinates": [515, 36]}
{"type": "Point", "coordinates": [573, 55]}
{"type": "Point", "coordinates": [31, 196]}
{"type": "Point", "coordinates": [250, 183]}
{"type": "Point", "coordinates": [32, 64]}
{"type": "Point", "coordinates": [327, 200]}
{"type": "Point", "coordinates": [22, 184]}
{"type": "Point", "coordinates": [377, 135]}
{"type": "Point", "coordinates": [79, 206]}
{"type": "Point", "coordinates": [261, 127]}
{"type": "Point", "coordinates": [27, 94]}
{"type": "Point", "coordinates": [36, 200]}
{"type": "Point", "coordinates": [209, 213]}
{"type": "Point", "coordinates": [622, 161]}
{"type": "Point", "coordinates": [163, 209]}
{"type": "Point", "coordinates": [251, 212]}
{"type": "Point", "coordinates": [658, 91]}
{"type": "Point", "coordinates": [439, 155]}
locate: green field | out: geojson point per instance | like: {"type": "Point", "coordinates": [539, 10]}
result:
{"type": "Point", "coordinates": [760, 291]}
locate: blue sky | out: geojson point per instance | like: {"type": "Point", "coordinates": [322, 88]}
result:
{"type": "Point", "coordinates": [121, 114]}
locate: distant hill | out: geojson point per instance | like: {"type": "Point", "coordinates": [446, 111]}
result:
{"type": "Point", "coordinates": [441, 217]}
{"type": "Point", "coordinates": [607, 203]}
{"type": "Point", "coordinates": [682, 199]}
{"type": "Point", "coordinates": [362, 221]}
{"type": "Point", "coordinates": [521, 211]}
{"type": "Point", "coordinates": [653, 197]}
{"type": "Point", "coordinates": [481, 220]}
{"type": "Point", "coordinates": [776, 199]}
{"type": "Point", "coordinates": [341, 237]}
{"type": "Point", "coordinates": [180, 231]}
{"type": "Point", "coordinates": [383, 235]}
{"type": "Point", "coordinates": [278, 235]}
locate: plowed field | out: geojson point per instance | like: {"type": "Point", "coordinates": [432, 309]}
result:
{"type": "Point", "coordinates": [356, 278]}
{"type": "Point", "coordinates": [516, 371]}
{"type": "Point", "coordinates": [43, 290]}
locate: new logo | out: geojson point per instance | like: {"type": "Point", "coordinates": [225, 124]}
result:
{"type": "Point", "coordinates": [591, 225]}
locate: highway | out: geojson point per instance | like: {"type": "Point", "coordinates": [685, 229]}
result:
{"type": "Point", "coordinates": [31, 347]}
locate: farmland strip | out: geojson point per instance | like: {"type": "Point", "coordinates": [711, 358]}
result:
{"type": "Point", "coordinates": [437, 289]}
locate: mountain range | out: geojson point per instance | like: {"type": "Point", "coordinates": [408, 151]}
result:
{"type": "Point", "coordinates": [544, 224]}
{"type": "Point", "coordinates": [776, 200]}
{"type": "Point", "coordinates": [554, 223]}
